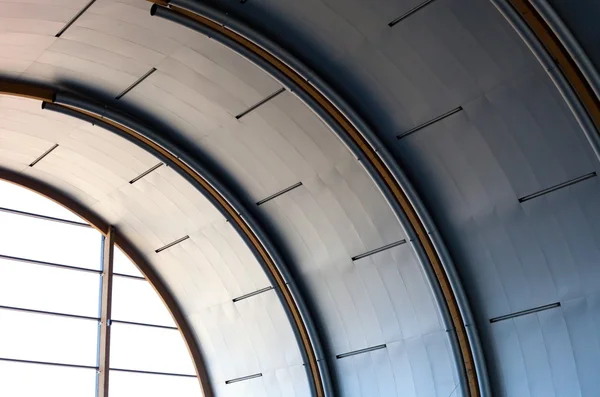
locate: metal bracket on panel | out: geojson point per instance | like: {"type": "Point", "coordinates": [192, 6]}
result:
{"type": "Point", "coordinates": [172, 244]}
{"type": "Point", "coordinates": [361, 351]}
{"type": "Point", "coordinates": [557, 187]}
{"type": "Point", "coordinates": [47, 152]}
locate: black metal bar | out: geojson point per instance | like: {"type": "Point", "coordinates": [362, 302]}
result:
{"type": "Point", "coordinates": [376, 250]}
{"type": "Point", "coordinates": [76, 17]}
{"type": "Point", "coordinates": [44, 217]}
{"type": "Point", "coordinates": [525, 312]}
{"type": "Point", "coordinates": [260, 291]}
{"type": "Point", "coordinates": [129, 276]}
{"type": "Point", "coordinates": [260, 103]}
{"type": "Point", "coordinates": [47, 152]}
{"type": "Point", "coordinates": [410, 12]}
{"type": "Point", "coordinates": [14, 360]}
{"type": "Point", "coordinates": [143, 324]}
{"type": "Point", "coordinates": [361, 351]}
{"type": "Point", "coordinates": [557, 187]}
{"type": "Point", "coordinates": [172, 244]}
{"type": "Point", "coordinates": [243, 378]}
{"type": "Point", "coordinates": [428, 123]}
{"type": "Point", "coordinates": [279, 193]}
{"type": "Point", "coordinates": [135, 83]}
{"type": "Point", "coordinates": [49, 264]}
{"type": "Point", "coordinates": [20, 309]}
{"type": "Point", "coordinates": [136, 371]}
{"type": "Point", "coordinates": [143, 174]}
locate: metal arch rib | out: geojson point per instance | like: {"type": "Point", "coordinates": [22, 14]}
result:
{"type": "Point", "coordinates": [378, 162]}
{"type": "Point", "coordinates": [121, 241]}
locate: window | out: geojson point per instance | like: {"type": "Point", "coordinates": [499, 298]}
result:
{"type": "Point", "coordinates": [50, 309]}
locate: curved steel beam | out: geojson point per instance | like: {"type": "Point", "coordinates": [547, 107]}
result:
{"type": "Point", "coordinates": [579, 87]}
{"type": "Point", "coordinates": [249, 229]}
{"type": "Point", "coordinates": [121, 241]}
{"type": "Point", "coordinates": [365, 145]}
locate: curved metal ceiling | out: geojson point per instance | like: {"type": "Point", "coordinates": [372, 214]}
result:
{"type": "Point", "coordinates": [506, 133]}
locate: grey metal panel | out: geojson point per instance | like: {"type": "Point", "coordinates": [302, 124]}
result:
{"type": "Point", "coordinates": [515, 136]}
{"type": "Point", "coordinates": [280, 383]}
{"type": "Point", "coordinates": [580, 18]}
{"type": "Point", "coordinates": [419, 366]}
{"type": "Point", "coordinates": [363, 303]}
{"type": "Point", "coordinates": [256, 328]}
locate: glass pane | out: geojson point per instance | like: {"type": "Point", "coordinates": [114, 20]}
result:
{"type": "Point", "coordinates": [46, 288]}
{"type": "Point", "coordinates": [21, 199]}
{"type": "Point", "coordinates": [122, 264]}
{"type": "Point", "coordinates": [33, 380]}
{"type": "Point", "coordinates": [49, 241]}
{"type": "Point", "coordinates": [149, 349]}
{"type": "Point", "coordinates": [136, 301]}
{"type": "Point", "coordinates": [124, 384]}
{"type": "Point", "coordinates": [40, 337]}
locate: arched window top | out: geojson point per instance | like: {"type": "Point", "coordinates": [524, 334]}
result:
{"type": "Point", "coordinates": [51, 301]}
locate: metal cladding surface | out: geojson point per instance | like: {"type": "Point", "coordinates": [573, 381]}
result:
{"type": "Point", "coordinates": [529, 268]}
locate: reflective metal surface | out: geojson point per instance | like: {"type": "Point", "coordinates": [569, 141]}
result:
{"type": "Point", "coordinates": [515, 136]}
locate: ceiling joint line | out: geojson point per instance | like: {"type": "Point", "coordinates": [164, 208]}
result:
{"type": "Point", "coordinates": [410, 12]}
{"type": "Point", "coordinates": [135, 83]}
{"type": "Point", "coordinates": [380, 249]}
{"type": "Point", "coordinates": [361, 351]}
{"type": "Point", "coordinates": [243, 378]}
{"type": "Point", "coordinates": [525, 312]}
{"type": "Point", "coordinates": [143, 174]}
{"type": "Point", "coordinates": [430, 122]}
{"type": "Point", "coordinates": [260, 103]}
{"type": "Point", "coordinates": [557, 187]}
{"type": "Point", "coordinates": [44, 217]}
{"type": "Point", "coordinates": [172, 244]}
{"type": "Point", "coordinates": [47, 152]}
{"type": "Point", "coordinates": [279, 193]}
{"type": "Point", "coordinates": [251, 294]}
{"type": "Point", "coordinates": [75, 18]}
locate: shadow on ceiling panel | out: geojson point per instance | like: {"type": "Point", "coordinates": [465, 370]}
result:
{"type": "Point", "coordinates": [58, 69]}
{"type": "Point", "coordinates": [169, 115]}
{"type": "Point", "coordinates": [114, 32]}
{"type": "Point", "coordinates": [139, 17]}
{"type": "Point", "coordinates": [296, 135]}
{"type": "Point", "coordinates": [230, 63]}
{"type": "Point", "coordinates": [316, 142]}
{"type": "Point", "coordinates": [126, 155]}
{"type": "Point", "coordinates": [203, 85]}
{"type": "Point", "coordinates": [103, 39]}
{"type": "Point", "coordinates": [34, 111]}
{"type": "Point", "coordinates": [111, 59]}
{"type": "Point", "coordinates": [179, 99]}
{"type": "Point", "coordinates": [255, 167]}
